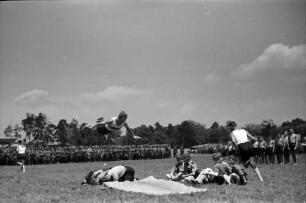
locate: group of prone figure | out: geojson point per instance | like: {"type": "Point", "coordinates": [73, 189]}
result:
{"type": "Point", "coordinates": [225, 171]}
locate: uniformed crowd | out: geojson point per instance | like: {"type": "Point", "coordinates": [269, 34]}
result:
{"type": "Point", "coordinates": [65, 154]}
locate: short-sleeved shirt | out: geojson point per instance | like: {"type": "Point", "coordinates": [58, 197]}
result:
{"type": "Point", "coordinates": [116, 172]}
{"type": "Point", "coordinates": [220, 167]}
{"type": "Point", "coordinates": [21, 149]}
{"type": "Point", "coordinates": [239, 136]}
{"type": "Point", "coordinates": [113, 126]}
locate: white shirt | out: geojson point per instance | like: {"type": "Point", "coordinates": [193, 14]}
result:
{"type": "Point", "coordinates": [239, 136]}
{"type": "Point", "coordinates": [116, 172]}
{"type": "Point", "coordinates": [21, 149]}
{"type": "Point", "coordinates": [113, 125]}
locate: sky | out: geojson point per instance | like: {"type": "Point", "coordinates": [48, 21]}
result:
{"type": "Point", "coordinates": [160, 61]}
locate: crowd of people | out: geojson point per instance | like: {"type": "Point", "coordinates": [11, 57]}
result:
{"type": "Point", "coordinates": [243, 149]}
{"type": "Point", "coordinates": [226, 170]}
{"type": "Point", "coordinates": [64, 154]}
{"type": "Point", "coordinates": [281, 149]}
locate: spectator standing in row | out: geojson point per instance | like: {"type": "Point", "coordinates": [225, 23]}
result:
{"type": "Point", "coordinates": [263, 150]}
{"type": "Point", "coordinates": [293, 145]}
{"type": "Point", "coordinates": [286, 148]}
{"type": "Point", "coordinates": [280, 148]}
{"type": "Point", "coordinates": [271, 150]}
{"type": "Point", "coordinates": [256, 150]}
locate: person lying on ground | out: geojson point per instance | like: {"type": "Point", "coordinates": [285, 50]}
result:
{"type": "Point", "coordinates": [236, 168]}
{"type": "Point", "coordinates": [220, 174]}
{"type": "Point", "coordinates": [118, 173]}
{"type": "Point", "coordinates": [228, 169]}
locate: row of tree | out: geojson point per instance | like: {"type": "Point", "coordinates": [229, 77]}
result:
{"type": "Point", "coordinates": [38, 129]}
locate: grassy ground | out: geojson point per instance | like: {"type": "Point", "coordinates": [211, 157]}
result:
{"type": "Point", "coordinates": [61, 183]}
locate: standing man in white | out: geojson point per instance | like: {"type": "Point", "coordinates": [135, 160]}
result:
{"type": "Point", "coordinates": [241, 142]}
{"type": "Point", "coordinates": [21, 155]}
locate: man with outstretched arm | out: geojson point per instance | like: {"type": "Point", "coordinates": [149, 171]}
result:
{"type": "Point", "coordinates": [240, 139]}
{"type": "Point", "coordinates": [113, 124]}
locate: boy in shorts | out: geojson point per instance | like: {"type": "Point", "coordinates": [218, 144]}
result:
{"type": "Point", "coordinates": [240, 139]}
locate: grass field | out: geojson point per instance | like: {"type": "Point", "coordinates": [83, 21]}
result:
{"type": "Point", "coordinates": [61, 183]}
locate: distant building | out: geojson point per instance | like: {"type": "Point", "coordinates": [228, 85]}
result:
{"type": "Point", "coordinates": [7, 141]}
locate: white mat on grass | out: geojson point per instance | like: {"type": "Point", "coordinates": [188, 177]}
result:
{"type": "Point", "coordinates": [153, 186]}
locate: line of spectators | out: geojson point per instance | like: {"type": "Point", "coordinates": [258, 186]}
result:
{"type": "Point", "coordinates": [281, 149]}
{"type": "Point", "coordinates": [65, 154]}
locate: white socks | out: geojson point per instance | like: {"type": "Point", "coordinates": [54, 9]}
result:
{"type": "Point", "coordinates": [258, 174]}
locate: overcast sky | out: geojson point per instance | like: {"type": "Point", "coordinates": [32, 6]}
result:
{"type": "Point", "coordinates": [160, 61]}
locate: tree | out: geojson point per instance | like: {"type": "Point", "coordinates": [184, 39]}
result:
{"type": "Point", "coordinates": [158, 126]}
{"type": "Point", "coordinates": [144, 133]}
{"type": "Point", "coordinates": [76, 138]}
{"type": "Point", "coordinates": [187, 134]}
{"type": "Point", "coordinates": [172, 135]}
{"type": "Point", "coordinates": [28, 125]}
{"type": "Point", "coordinates": [86, 134]}
{"type": "Point", "coordinates": [215, 125]}
{"type": "Point", "coordinates": [62, 131]}
{"type": "Point", "coordinates": [17, 129]}
{"type": "Point", "coordinates": [299, 126]}
{"type": "Point", "coordinates": [8, 131]}
{"type": "Point", "coordinates": [268, 128]}
{"type": "Point", "coordinates": [253, 129]}
{"type": "Point", "coordinates": [38, 128]}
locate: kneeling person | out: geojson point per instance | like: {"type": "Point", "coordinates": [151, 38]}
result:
{"type": "Point", "coordinates": [117, 173]}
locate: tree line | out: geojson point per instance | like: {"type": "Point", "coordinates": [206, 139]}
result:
{"type": "Point", "coordinates": [38, 129]}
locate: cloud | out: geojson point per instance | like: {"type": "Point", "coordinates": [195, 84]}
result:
{"type": "Point", "coordinates": [112, 93]}
{"type": "Point", "coordinates": [211, 77]}
{"type": "Point", "coordinates": [276, 59]}
{"type": "Point", "coordinates": [186, 109]}
{"type": "Point", "coordinates": [33, 97]}
{"type": "Point", "coordinates": [162, 106]}
{"type": "Point", "coordinates": [286, 107]}
{"type": "Point", "coordinates": [175, 111]}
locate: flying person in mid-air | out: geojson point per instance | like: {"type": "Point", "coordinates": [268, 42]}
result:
{"type": "Point", "coordinates": [111, 125]}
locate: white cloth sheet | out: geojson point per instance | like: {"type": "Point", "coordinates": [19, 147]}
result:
{"type": "Point", "coordinates": [153, 186]}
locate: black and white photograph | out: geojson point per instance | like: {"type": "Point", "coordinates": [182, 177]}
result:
{"type": "Point", "coordinates": [153, 101]}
